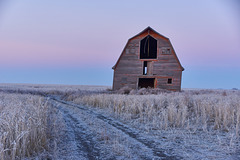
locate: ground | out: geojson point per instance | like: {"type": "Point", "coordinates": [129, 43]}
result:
{"type": "Point", "coordinates": [87, 132]}
{"type": "Point", "coordinates": [91, 134]}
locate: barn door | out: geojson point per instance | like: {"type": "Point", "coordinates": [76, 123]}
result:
{"type": "Point", "coordinates": [146, 82]}
{"type": "Point", "coordinates": [147, 68]}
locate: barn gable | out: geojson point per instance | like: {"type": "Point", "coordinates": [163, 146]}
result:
{"type": "Point", "coordinates": [148, 60]}
{"type": "Point", "coordinates": [144, 33]}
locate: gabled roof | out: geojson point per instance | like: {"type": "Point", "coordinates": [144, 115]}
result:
{"type": "Point", "coordinates": [146, 29]}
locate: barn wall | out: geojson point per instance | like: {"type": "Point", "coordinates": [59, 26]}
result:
{"type": "Point", "coordinates": [129, 67]}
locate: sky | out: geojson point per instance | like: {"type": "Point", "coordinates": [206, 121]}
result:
{"type": "Point", "coordinates": [78, 42]}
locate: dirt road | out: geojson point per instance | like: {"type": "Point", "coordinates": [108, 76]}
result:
{"type": "Point", "coordinates": [91, 134]}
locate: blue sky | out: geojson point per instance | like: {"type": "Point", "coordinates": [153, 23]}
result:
{"type": "Point", "coordinates": [78, 42]}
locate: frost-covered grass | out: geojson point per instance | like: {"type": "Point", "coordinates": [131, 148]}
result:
{"type": "Point", "coordinates": [50, 88]}
{"type": "Point", "coordinates": [206, 111]}
{"type": "Point", "coordinates": [24, 126]}
{"type": "Point", "coordinates": [193, 124]}
{"type": "Point", "coordinates": [202, 120]}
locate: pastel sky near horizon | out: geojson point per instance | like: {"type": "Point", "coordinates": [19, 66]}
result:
{"type": "Point", "coordinates": [78, 42]}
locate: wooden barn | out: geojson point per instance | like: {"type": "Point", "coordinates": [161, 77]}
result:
{"type": "Point", "coordinates": [148, 60]}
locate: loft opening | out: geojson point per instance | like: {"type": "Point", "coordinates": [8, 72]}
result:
{"type": "Point", "coordinates": [148, 48]}
{"type": "Point", "coordinates": [146, 82]}
{"type": "Point", "coordinates": [145, 68]}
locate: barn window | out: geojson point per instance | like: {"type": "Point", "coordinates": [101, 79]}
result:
{"type": "Point", "coordinates": [148, 48]}
{"type": "Point", "coordinates": [166, 51]}
{"type": "Point", "coordinates": [169, 81]}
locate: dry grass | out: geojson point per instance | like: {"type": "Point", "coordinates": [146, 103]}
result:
{"type": "Point", "coordinates": [205, 110]}
{"type": "Point", "coordinates": [49, 88]}
{"type": "Point", "coordinates": [23, 126]}
{"type": "Point", "coordinates": [183, 121]}
{"type": "Point", "coordinates": [206, 121]}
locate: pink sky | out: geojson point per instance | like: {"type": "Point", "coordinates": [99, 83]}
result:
{"type": "Point", "coordinates": [88, 34]}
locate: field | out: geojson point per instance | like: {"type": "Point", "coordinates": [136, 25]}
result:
{"type": "Point", "coordinates": [25, 123]}
{"type": "Point", "coordinates": [93, 122]}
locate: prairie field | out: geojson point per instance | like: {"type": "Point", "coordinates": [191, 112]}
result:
{"type": "Point", "coordinates": [23, 126]}
{"type": "Point", "coordinates": [200, 119]}
{"type": "Point", "coordinates": [28, 124]}
{"type": "Point", "coordinates": [204, 110]}
{"type": "Point", "coordinates": [63, 122]}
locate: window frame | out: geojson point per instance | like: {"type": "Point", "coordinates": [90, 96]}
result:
{"type": "Point", "coordinates": [165, 50]}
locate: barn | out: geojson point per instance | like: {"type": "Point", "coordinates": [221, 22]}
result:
{"type": "Point", "coordinates": [148, 60]}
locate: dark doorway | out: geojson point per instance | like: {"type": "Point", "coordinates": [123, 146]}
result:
{"type": "Point", "coordinates": [148, 48]}
{"type": "Point", "coordinates": [146, 82]}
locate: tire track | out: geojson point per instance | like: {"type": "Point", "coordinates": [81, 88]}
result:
{"type": "Point", "coordinates": [83, 139]}
{"type": "Point", "coordinates": [82, 145]}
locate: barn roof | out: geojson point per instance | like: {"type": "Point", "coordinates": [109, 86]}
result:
{"type": "Point", "coordinates": [146, 29]}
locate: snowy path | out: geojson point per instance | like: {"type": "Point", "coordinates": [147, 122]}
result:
{"type": "Point", "coordinates": [76, 143]}
{"type": "Point", "coordinates": [91, 135]}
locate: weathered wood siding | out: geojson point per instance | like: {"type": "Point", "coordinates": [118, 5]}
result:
{"type": "Point", "coordinates": [129, 67]}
